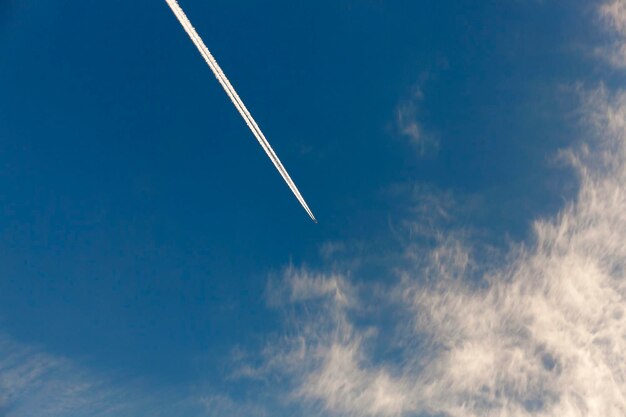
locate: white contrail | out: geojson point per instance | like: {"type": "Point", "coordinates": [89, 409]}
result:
{"type": "Point", "coordinates": [219, 74]}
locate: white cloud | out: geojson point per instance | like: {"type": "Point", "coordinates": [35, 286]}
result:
{"type": "Point", "coordinates": [406, 118]}
{"type": "Point", "coordinates": [36, 383]}
{"type": "Point", "coordinates": [614, 14]}
{"type": "Point", "coordinates": [348, 387]}
{"type": "Point", "coordinates": [326, 350]}
{"type": "Point", "coordinates": [330, 249]}
{"type": "Point", "coordinates": [33, 382]}
{"type": "Point", "coordinates": [303, 285]}
{"type": "Point", "coordinates": [408, 125]}
{"type": "Point", "coordinates": [540, 332]}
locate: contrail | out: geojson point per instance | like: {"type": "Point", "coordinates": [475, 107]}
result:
{"type": "Point", "coordinates": [219, 74]}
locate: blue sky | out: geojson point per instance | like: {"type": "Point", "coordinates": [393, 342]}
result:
{"type": "Point", "coordinates": [465, 161]}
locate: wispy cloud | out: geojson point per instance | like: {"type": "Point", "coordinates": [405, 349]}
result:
{"type": "Point", "coordinates": [34, 382]}
{"type": "Point", "coordinates": [543, 333]}
{"type": "Point", "coordinates": [614, 14]}
{"type": "Point", "coordinates": [304, 285]}
{"type": "Point", "coordinates": [407, 123]}
{"type": "Point", "coordinates": [540, 331]}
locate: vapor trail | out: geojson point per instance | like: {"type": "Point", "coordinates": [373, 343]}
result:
{"type": "Point", "coordinates": [219, 74]}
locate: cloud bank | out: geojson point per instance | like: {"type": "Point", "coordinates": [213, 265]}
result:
{"type": "Point", "coordinates": [539, 332]}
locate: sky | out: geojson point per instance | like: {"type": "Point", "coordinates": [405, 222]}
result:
{"type": "Point", "coordinates": [465, 160]}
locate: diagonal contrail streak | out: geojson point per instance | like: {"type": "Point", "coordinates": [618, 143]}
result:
{"type": "Point", "coordinates": [219, 74]}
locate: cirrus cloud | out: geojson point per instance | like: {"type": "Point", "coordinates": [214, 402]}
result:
{"type": "Point", "coordinates": [541, 331]}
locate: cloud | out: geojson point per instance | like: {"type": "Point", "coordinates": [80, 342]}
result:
{"type": "Point", "coordinates": [330, 249]}
{"type": "Point", "coordinates": [222, 405]}
{"type": "Point", "coordinates": [33, 382]}
{"type": "Point", "coordinates": [540, 331]}
{"type": "Point", "coordinates": [36, 383]}
{"type": "Point", "coordinates": [614, 14]}
{"type": "Point", "coordinates": [408, 125]}
{"type": "Point", "coordinates": [303, 285]}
